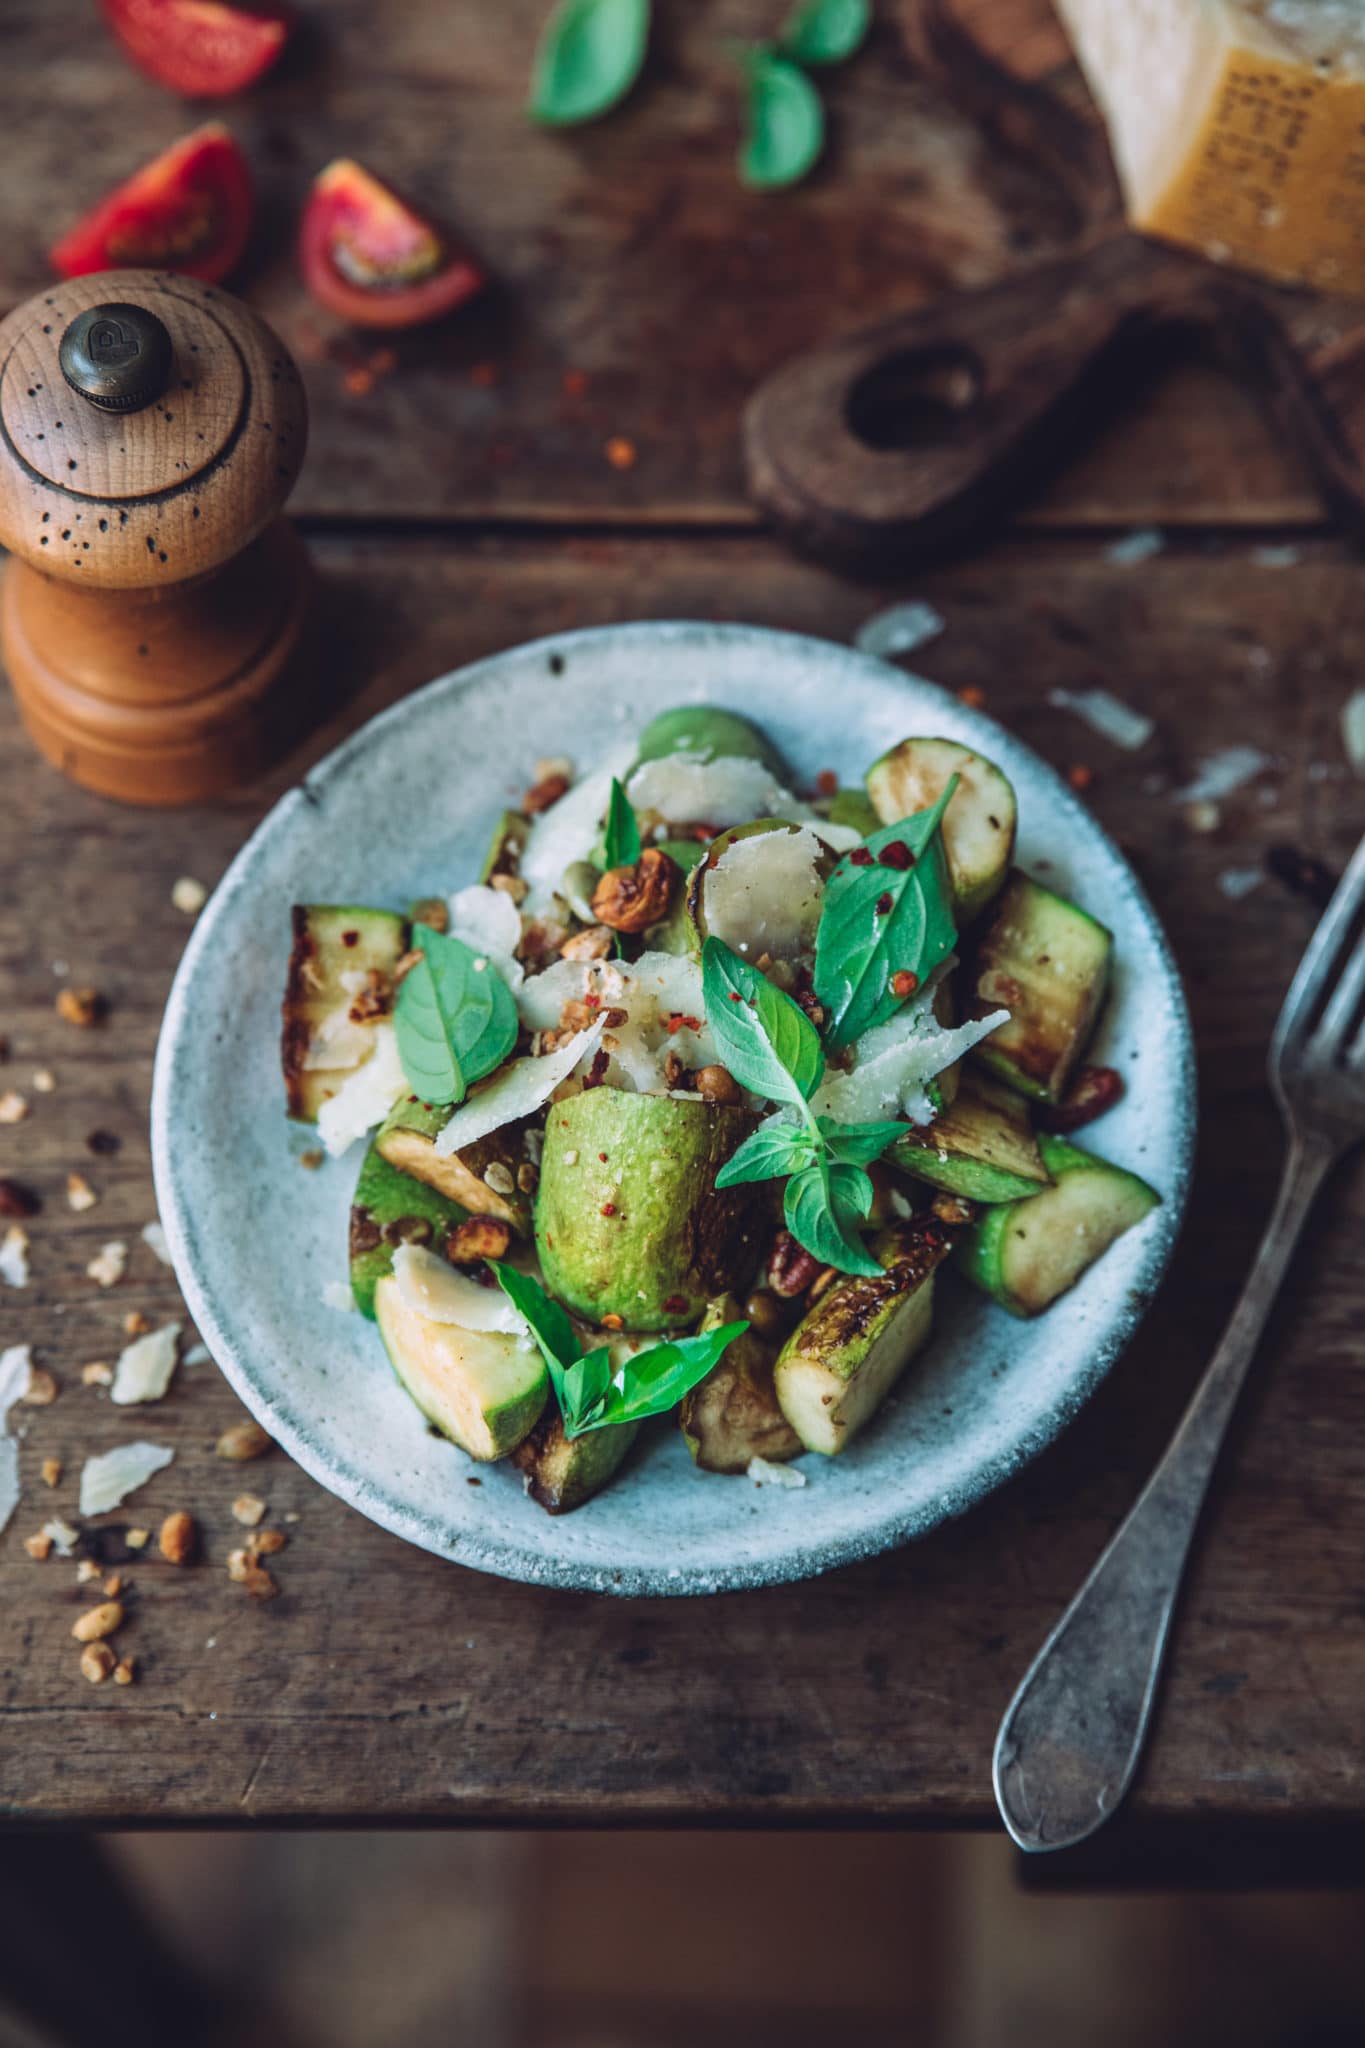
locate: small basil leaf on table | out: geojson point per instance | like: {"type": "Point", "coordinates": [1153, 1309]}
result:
{"type": "Point", "coordinates": [765, 1039]}
{"type": "Point", "coordinates": [455, 1017]}
{"type": "Point", "coordinates": [786, 123]}
{"type": "Point", "coordinates": [622, 841]}
{"type": "Point", "coordinates": [777, 1147]}
{"type": "Point", "coordinates": [886, 909]}
{"type": "Point", "coordinates": [589, 56]}
{"type": "Point", "coordinates": [822, 1207]}
{"type": "Point", "coordinates": [826, 31]}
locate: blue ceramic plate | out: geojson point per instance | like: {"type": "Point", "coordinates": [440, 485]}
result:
{"type": "Point", "coordinates": [403, 809]}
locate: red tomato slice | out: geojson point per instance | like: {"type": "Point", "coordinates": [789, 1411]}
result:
{"type": "Point", "coordinates": [201, 48]}
{"type": "Point", "coordinates": [188, 210]}
{"type": "Point", "coordinates": [371, 259]}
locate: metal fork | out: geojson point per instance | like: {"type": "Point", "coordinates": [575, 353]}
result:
{"type": "Point", "coordinates": [1072, 1735]}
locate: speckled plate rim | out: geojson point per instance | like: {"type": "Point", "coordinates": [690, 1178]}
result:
{"type": "Point", "coordinates": [533, 1562]}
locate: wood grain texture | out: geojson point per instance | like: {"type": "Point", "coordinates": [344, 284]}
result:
{"type": "Point", "coordinates": [383, 1683]}
{"type": "Point", "coordinates": [626, 255]}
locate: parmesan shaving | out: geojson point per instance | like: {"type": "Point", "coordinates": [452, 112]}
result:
{"type": "Point", "coordinates": [14, 1256]}
{"type": "Point", "coordinates": [144, 1369]}
{"type": "Point", "coordinates": [1107, 715]}
{"type": "Point", "coordinates": [730, 790]}
{"type": "Point", "coordinates": [764, 1473]}
{"type": "Point", "coordinates": [64, 1537]}
{"type": "Point", "coordinates": [445, 1295]}
{"type": "Point", "coordinates": [519, 1090]}
{"type": "Point", "coordinates": [488, 922]}
{"type": "Point", "coordinates": [763, 894]}
{"type": "Point", "coordinates": [16, 1372]}
{"type": "Point", "coordinates": [365, 1097]}
{"type": "Point", "coordinates": [565, 833]}
{"type": "Point", "coordinates": [900, 629]}
{"type": "Point", "coordinates": [107, 1481]}
{"type": "Point", "coordinates": [896, 1061]}
{"type": "Point", "coordinates": [154, 1237]}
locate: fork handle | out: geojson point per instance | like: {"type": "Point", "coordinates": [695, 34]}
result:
{"type": "Point", "coordinates": [1072, 1735]}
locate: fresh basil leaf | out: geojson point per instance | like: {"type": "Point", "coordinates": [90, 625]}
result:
{"type": "Point", "coordinates": [455, 1017]}
{"type": "Point", "coordinates": [657, 1379]}
{"type": "Point", "coordinates": [858, 1144]}
{"type": "Point", "coordinates": [586, 1385]}
{"type": "Point", "coordinates": [820, 1206]}
{"type": "Point", "coordinates": [765, 1039]}
{"type": "Point", "coordinates": [826, 31]}
{"type": "Point", "coordinates": [786, 123]}
{"type": "Point", "coordinates": [622, 844]}
{"type": "Point", "coordinates": [589, 56]}
{"type": "Point", "coordinates": [880, 916]}
{"type": "Point", "coordinates": [550, 1326]}
{"type": "Point", "coordinates": [777, 1147]}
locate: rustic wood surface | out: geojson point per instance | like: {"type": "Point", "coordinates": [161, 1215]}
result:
{"type": "Point", "coordinates": [460, 503]}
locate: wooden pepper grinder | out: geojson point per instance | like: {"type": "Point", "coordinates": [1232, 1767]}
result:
{"type": "Point", "coordinates": [151, 428]}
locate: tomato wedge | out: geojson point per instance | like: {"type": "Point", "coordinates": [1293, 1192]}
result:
{"type": "Point", "coordinates": [201, 48]}
{"type": "Point", "coordinates": [188, 210]}
{"type": "Point", "coordinates": [370, 258]}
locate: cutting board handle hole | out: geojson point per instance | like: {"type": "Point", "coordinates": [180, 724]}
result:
{"type": "Point", "coordinates": [915, 397]}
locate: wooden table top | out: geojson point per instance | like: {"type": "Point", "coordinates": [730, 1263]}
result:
{"type": "Point", "coordinates": [464, 503]}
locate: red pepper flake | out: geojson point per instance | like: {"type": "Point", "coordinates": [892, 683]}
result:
{"type": "Point", "coordinates": [621, 453]}
{"type": "Point", "coordinates": [735, 998]}
{"type": "Point", "coordinates": [860, 858]}
{"type": "Point", "coordinates": [904, 982]}
{"type": "Point", "coordinates": [603, 1157]}
{"type": "Point", "coordinates": [592, 1001]}
{"type": "Point", "coordinates": [702, 833]}
{"type": "Point", "coordinates": [1094, 1090]}
{"type": "Point", "coordinates": [896, 855]}
{"type": "Point", "coordinates": [827, 784]}
{"type": "Point", "coordinates": [575, 383]}
{"type": "Point", "coordinates": [608, 1208]}
{"type": "Point", "coordinates": [675, 1304]}
{"type": "Point", "coordinates": [678, 1021]}
{"type": "Point", "coordinates": [485, 375]}
{"type": "Point", "coordinates": [884, 903]}
{"type": "Point", "coordinates": [971, 696]}
{"type": "Point", "coordinates": [359, 383]}
{"type": "Point", "coordinates": [1079, 776]}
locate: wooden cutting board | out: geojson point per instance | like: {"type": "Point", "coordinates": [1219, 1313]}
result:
{"type": "Point", "coordinates": [919, 434]}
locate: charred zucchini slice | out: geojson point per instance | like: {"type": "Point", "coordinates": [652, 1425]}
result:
{"type": "Point", "coordinates": [1027, 1253]}
{"type": "Point", "coordinates": [982, 1147]}
{"type": "Point", "coordinates": [561, 1473]}
{"type": "Point", "coordinates": [1047, 962]}
{"type": "Point", "coordinates": [481, 1388]}
{"type": "Point", "coordinates": [978, 825]}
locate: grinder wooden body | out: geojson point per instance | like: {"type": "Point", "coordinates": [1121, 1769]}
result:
{"type": "Point", "coordinates": [153, 617]}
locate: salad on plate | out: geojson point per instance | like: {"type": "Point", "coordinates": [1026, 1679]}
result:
{"type": "Point", "coordinates": [682, 1104]}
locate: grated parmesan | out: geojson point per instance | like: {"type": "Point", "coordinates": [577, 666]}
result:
{"type": "Point", "coordinates": [764, 1473]}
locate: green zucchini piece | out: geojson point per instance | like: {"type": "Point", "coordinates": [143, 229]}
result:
{"type": "Point", "coordinates": [561, 1473]}
{"type": "Point", "coordinates": [1047, 962]}
{"type": "Point", "coordinates": [390, 1208]}
{"type": "Point", "coordinates": [847, 1352]}
{"type": "Point", "coordinates": [1025, 1254]}
{"type": "Point", "coordinates": [481, 1388]}
{"type": "Point", "coordinates": [628, 1218]}
{"type": "Point", "coordinates": [506, 846]}
{"type": "Point", "coordinates": [981, 1147]}
{"type": "Point", "coordinates": [855, 808]}
{"type": "Point", "coordinates": [407, 1139]}
{"type": "Point", "coordinates": [732, 1415]}
{"type": "Point", "coordinates": [978, 825]}
{"type": "Point", "coordinates": [707, 731]}
{"type": "Point", "coordinates": [330, 939]}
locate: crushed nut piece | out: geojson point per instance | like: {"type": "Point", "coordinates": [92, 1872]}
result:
{"type": "Point", "coordinates": [113, 1585]}
{"type": "Point", "coordinates": [952, 1208]}
{"type": "Point", "coordinates": [265, 1542]}
{"type": "Point", "coordinates": [718, 1084]}
{"type": "Point", "coordinates": [97, 1661]}
{"type": "Point", "coordinates": [629, 899]}
{"type": "Point", "coordinates": [312, 1159]}
{"type": "Point", "coordinates": [824, 1279]}
{"type": "Point", "coordinates": [499, 1178]}
{"type": "Point", "coordinates": [125, 1671]}
{"type": "Point", "coordinates": [478, 1237]}
{"type": "Point", "coordinates": [178, 1537]}
{"type": "Point", "coordinates": [510, 885]}
{"type": "Point", "coordinates": [238, 1564]}
{"type": "Point", "coordinates": [135, 1324]}
{"type": "Point", "coordinates": [137, 1539]}
{"type": "Point", "coordinates": [243, 1570]}
{"type": "Point", "coordinates": [38, 1546]}
{"type": "Point", "coordinates": [594, 942]}
{"type": "Point", "coordinates": [79, 1193]}
{"type": "Point", "coordinates": [42, 1388]}
{"type": "Point", "coordinates": [87, 1571]}
{"type": "Point", "coordinates": [97, 1374]}
{"type": "Point", "coordinates": [243, 1441]}
{"type": "Point", "coordinates": [50, 1472]}
{"type": "Point", "coordinates": [248, 1509]}
{"type": "Point", "coordinates": [553, 764]}
{"type": "Point", "coordinates": [790, 1267]}
{"type": "Point", "coordinates": [611, 1321]}
{"type": "Point", "coordinates": [189, 895]}
{"type": "Point", "coordinates": [544, 793]}
{"type": "Point", "coordinates": [17, 1200]}
{"type": "Point", "coordinates": [13, 1107]}
{"type": "Point", "coordinates": [108, 1269]}
{"type": "Point", "coordinates": [528, 1178]}
{"type": "Point", "coordinates": [44, 1081]}
{"type": "Point", "coordinates": [83, 1006]}
{"type": "Point", "coordinates": [97, 1622]}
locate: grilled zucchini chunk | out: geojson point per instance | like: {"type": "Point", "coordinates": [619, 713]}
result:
{"type": "Point", "coordinates": [390, 1208]}
{"type": "Point", "coordinates": [1047, 962]}
{"type": "Point", "coordinates": [847, 1352]}
{"type": "Point", "coordinates": [561, 1472]}
{"type": "Point", "coordinates": [732, 1415]}
{"type": "Point", "coordinates": [982, 1147]}
{"type": "Point", "coordinates": [978, 825]}
{"type": "Point", "coordinates": [484, 1389]}
{"type": "Point", "coordinates": [1025, 1254]}
{"type": "Point", "coordinates": [340, 983]}
{"type": "Point", "coordinates": [407, 1139]}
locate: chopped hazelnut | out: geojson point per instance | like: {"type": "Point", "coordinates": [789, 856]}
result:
{"type": "Point", "coordinates": [499, 1178]}
{"type": "Point", "coordinates": [178, 1537]}
{"type": "Point", "coordinates": [189, 896]}
{"type": "Point", "coordinates": [79, 1193]}
{"type": "Point", "coordinates": [952, 1209]}
{"type": "Point", "coordinates": [112, 1586]}
{"type": "Point", "coordinates": [42, 1388]}
{"type": "Point", "coordinates": [312, 1159]}
{"type": "Point", "coordinates": [243, 1441]}
{"type": "Point", "coordinates": [97, 1622]}
{"type": "Point", "coordinates": [594, 942]}
{"type": "Point", "coordinates": [137, 1539]}
{"type": "Point", "coordinates": [83, 1006]}
{"type": "Point", "coordinates": [97, 1374]}
{"type": "Point", "coordinates": [135, 1324]}
{"type": "Point", "coordinates": [125, 1671]}
{"type": "Point", "coordinates": [542, 794]}
{"type": "Point", "coordinates": [44, 1081]}
{"type": "Point", "coordinates": [248, 1509]}
{"type": "Point", "coordinates": [87, 1571]}
{"type": "Point", "coordinates": [432, 911]}
{"type": "Point", "coordinates": [718, 1084]}
{"type": "Point", "coordinates": [528, 1177]}
{"type": "Point", "coordinates": [510, 885]}
{"type": "Point", "coordinates": [108, 1269]}
{"type": "Point", "coordinates": [97, 1661]}
{"type": "Point", "coordinates": [478, 1237]}
{"type": "Point", "coordinates": [13, 1107]}
{"type": "Point", "coordinates": [38, 1546]}
{"type": "Point", "coordinates": [51, 1471]}
{"type": "Point", "coordinates": [243, 1570]}
{"type": "Point", "coordinates": [629, 899]}
{"type": "Point", "coordinates": [265, 1542]}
